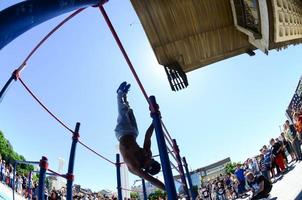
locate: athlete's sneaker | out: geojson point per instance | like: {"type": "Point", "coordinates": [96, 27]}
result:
{"type": "Point", "coordinates": [121, 87]}
{"type": "Point", "coordinates": [126, 88]}
{"type": "Point", "coordinates": [125, 91]}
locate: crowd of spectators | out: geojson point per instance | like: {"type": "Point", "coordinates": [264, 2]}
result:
{"type": "Point", "coordinates": [257, 174]}
{"type": "Point", "coordinates": [20, 181]}
{"type": "Point", "coordinates": [77, 195]}
{"type": "Point", "coordinates": [29, 188]}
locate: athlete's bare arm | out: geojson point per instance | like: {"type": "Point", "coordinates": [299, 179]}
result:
{"type": "Point", "coordinates": [147, 142]}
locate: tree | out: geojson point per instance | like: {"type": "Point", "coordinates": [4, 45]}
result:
{"type": "Point", "coordinates": [134, 195]}
{"type": "Point", "coordinates": [157, 194]}
{"type": "Point", "coordinates": [5, 151]}
{"type": "Point", "coordinates": [35, 178]}
{"type": "Point", "coordinates": [48, 183]}
{"type": "Point", "coordinates": [9, 155]}
{"type": "Point", "coordinates": [231, 167]}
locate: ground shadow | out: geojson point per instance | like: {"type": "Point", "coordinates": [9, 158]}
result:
{"type": "Point", "coordinates": [274, 198]}
{"type": "Point", "coordinates": [279, 178]}
{"type": "Point", "coordinates": [290, 168]}
{"type": "Point", "coordinates": [299, 196]}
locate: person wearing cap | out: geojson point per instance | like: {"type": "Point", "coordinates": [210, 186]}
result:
{"type": "Point", "coordinates": [138, 160]}
{"type": "Point", "coordinates": [259, 185]}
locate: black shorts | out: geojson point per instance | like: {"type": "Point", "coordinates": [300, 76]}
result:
{"type": "Point", "coordinates": [273, 165]}
{"type": "Point", "coordinates": [289, 148]}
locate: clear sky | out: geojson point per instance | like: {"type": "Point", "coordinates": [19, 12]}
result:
{"type": "Point", "coordinates": [231, 108]}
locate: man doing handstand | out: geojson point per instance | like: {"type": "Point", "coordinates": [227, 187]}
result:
{"type": "Point", "coordinates": [138, 160]}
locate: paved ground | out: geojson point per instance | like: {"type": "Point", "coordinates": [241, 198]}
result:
{"type": "Point", "coordinates": [289, 187]}
{"type": "Point", "coordinates": [6, 193]}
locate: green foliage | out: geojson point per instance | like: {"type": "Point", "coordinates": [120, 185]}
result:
{"type": "Point", "coordinates": [35, 178]}
{"type": "Point", "coordinates": [48, 183]}
{"type": "Point", "coordinates": [230, 167]}
{"type": "Point", "coordinates": [157, 194]}
{"type": "Point", "coordinates": [9, 155]}
{"type": "Point", "coordinates": [134, 195]}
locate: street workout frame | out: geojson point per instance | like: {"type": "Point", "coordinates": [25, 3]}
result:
{"type": "Point", "coordinates": [21, 17]}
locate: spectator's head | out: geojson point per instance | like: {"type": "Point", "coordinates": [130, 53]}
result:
{"type": "Point", "coordinates": [250, 177]}
{"type": "Point", "coordinates": [287, 122]}
{"type": "Point", "coordinates": [153, 167]}
{"type": "Point", "coordinates": [238, 165]}
{"type": "Point", "coordinates": [261, 156]}
{"type": "Point", "coordinates": [296, 115]}
{"type": "Point", "coordinates": [272, 141]}
{"type": "Point", "coordinates": [53, 195]}
{"type": "Point", "coordinates": [264, 147]}
{"type": "Point", "coordinates": [219, 184]}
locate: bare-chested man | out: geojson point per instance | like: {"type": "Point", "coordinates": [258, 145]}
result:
{"type": "Point", "coordinates": [138, 160]}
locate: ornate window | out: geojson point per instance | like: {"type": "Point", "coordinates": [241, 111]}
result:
{"type": "Point", "coordinates": [248, 16]}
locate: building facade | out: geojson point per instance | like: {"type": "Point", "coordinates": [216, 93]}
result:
{"type": "Point", "coordinates": [213, 170]}
{"type": "Point", "coordinates": [139, 188]}
{"type": "Point", "coordinates": [269, 24]}
{"type": "Point", "coordinates": [209, 172]}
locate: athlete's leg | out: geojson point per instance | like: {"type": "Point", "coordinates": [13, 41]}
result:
{"type": "Point", "coordinates": [126, 123]}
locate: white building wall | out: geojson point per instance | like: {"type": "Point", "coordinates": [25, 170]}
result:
{"type": "Point", "coordinates": [263, 43]}
{"type": "Point", "coordinates": [124, 175]}
{"type": "Point", "coordinates": [60, 182]}
{"type": "Point", "coordinates": [125, 180]}
{"type": "Point", "coordinates": [287, 19]}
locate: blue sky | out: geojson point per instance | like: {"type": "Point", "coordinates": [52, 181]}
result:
{"type": "Point", "coordinates": [230, 108]}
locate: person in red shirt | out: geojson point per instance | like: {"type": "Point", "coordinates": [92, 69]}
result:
{"type": "Point", "coordinates": [277, 154]}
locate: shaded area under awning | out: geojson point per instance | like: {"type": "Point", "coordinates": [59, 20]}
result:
{"type": "Point", "coordinates": [192, 33]}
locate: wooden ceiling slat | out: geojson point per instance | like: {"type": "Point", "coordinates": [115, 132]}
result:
{"type": "Point", "coordinates": [192, 32]}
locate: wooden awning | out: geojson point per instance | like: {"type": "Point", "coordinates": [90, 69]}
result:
{"type": "Point", "coordinates": [193, 33]}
